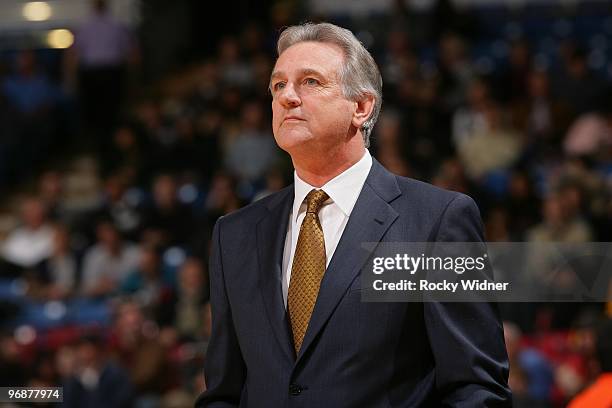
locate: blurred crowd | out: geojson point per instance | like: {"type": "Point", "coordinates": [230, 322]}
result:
{"type": "Point", "coordinates": [103, 272]}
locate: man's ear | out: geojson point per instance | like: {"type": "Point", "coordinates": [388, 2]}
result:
{"type": "Point", "coordinates": [363, 110]}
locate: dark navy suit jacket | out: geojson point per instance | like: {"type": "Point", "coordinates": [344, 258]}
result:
{"type": "Point", "coordinates": [354, 354]}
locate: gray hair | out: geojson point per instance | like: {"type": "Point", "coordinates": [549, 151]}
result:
{"type": "Point", "coordinates": [359, 74]}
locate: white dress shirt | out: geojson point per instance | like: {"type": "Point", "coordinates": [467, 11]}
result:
{"type": "Point", "coordinates": [343, 191]}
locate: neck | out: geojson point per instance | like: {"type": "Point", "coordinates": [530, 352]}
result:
{"type": "Point", "coordinates": [318, 168]}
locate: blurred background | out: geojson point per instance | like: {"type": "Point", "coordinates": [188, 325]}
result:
{"type": "Point", "coordinates": [128, 127]}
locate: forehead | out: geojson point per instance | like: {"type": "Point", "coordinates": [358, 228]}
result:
{"type": "Point", "coordinates": [322, 57]}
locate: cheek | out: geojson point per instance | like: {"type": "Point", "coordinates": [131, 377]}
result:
{"type": "Point", "coordinates": [334, 115]}
{"type": "Point", "coordinates": [275, 116]}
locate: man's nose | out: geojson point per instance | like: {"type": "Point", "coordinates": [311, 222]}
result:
{"type": "Point", "coordinates": [288, 97]}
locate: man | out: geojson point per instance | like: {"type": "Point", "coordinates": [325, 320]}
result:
{"type": "Point", "coordinates": [289, 327]}
{"type": "Point", "coordinates": [32, 242]}
{"type": "Point", "coordinates": [95, 380]}
{"type": "Point", "coordinates": [103, 48]}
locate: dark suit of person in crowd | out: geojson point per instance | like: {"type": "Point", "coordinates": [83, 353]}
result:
{"type": "Point", "coordinates": [289, 328]}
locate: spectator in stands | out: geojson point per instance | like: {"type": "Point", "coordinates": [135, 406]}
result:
{"type": "Point", "coordinates": [206, 84]}
{"type": "Point", "coordinates": [125, 155]}
{"type": "Point", "coordinates": [36, 117]}
{"type": "Point", "coordinates": [13, 371]}
{"type": "Point", "coordinates": [192, 296]}
{"type": "Point", "coordinates": [32, 242]}
{"type": "Point", "coordinates": [497, 225]}
{"type": "Point", "coordinates": [136, 344]}
{"type": "Point", "coordinates": [222, 198]}
{"type": "Point", "coordinates": [51, 192]}
{"type": "Point", "coordinates": [149, 286]}
{"type": "Point", "coordinates": [208, 125]}
{"type": "Point", "coordinates": [108, 262]}
{"type": "Point", "coordinates": [578, 86]}
{"type": "Point", "coordinates": [531, 376]}
{"type": "Point", "coordinates": [149, 117]}
{"type": "Point", "coordinates": [59, 271]}
{"type": "Point", "coordinates": [253, 152]}
{"type": "Point", "coordinates": [97, 382]}
{"type": "Point", "coordinates": [590, 133]}
{"type": "Point", "coordinates": [544, 266]}
{"type": "Point", "coordinates": [398, 60]}
{"type": "Point", "coordinates": [29, 92]}
{"type": "Point", "coordinates": [522, 203]}
{"type": "Point", "coordinates": [456, 70]}
{"type": "Point", "coordinates": [451, 176]}
{"type": "Point", "coordinates": [572, 195]}
{"type": "Point", "coordinates": [262, 66]}
{"type": "Point", "coordinates": [470, 119]}
{"type": "Point", "coordinates": [188, 150]}
{"type": "Point", "coordinates": [599, 394]}
{"type": "Point", "coordinates": [514, 77]}
{"type": "Point", "coordinates": [234, 70]}
{"type": "Point", "coordinates": [230, 107]}
{"type": "Point", "coordinates": [424, 123]}
{"type": "Point", "coordinates": [167, 217]}
{"type": "Point", "coordinates": [45, 372]}
{"type": "Point", "coordinates": [559, 224]}
{"type": "Point", "coordinates": [388, 144]}
{"type": "Point", "coordinates": [116, 205]}
{"type": "Point", "coordinates": [101, 52]}
{"type": "Point", "coordinates": [494, 147]}
{"type": "Point", "coordinates": [539, 116]}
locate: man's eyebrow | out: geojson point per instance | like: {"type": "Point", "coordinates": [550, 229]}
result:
{"type": "Point", "coordinates": [276, 74]}
{"type": "Point", "coordinates": [310, 71]}
{"type": "Point", "coordinates": [302, 72]}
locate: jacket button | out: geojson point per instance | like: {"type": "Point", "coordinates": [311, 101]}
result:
{"type": "Point", "coordinates": [295, 389]}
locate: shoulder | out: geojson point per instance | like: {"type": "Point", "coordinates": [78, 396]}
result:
{"type": "Point", "coordinates": [419, 193]}
{"type": "Point", "coordinates": [445, 215]}
{"type": "Point", "coordinates": [251, 214]}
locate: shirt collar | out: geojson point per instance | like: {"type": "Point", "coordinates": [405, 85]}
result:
{"type": "Point", "coordinates": [343, 189]}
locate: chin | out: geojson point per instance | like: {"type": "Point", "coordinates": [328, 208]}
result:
{"type": "Point", "coordinates": [293, 139]}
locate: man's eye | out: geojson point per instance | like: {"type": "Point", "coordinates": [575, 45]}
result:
{"type": "Point", "coordinates": [311, 81]}
{"type": "Point", "coordinates": [278, 85]}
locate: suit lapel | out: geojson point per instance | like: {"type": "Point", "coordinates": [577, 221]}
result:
{"type": "Point", "coordinates": [368, 222]}
{"type": "Point", "coordinates": [271, 232]}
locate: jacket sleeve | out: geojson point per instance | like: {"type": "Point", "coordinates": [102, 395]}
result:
{"type": "Point", "coordinates": [224, 368]}
{"type": "Point", "coordinates": [467, 341]}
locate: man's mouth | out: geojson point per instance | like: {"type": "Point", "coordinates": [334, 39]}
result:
{"type": "Point", "coordinates": [293, 119]}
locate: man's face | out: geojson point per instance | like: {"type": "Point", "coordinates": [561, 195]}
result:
{"type": "Point", "coordinates": [308, 106]}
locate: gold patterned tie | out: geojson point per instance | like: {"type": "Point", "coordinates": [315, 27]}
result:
{"type": "Point", "coordinates": [308, 268]}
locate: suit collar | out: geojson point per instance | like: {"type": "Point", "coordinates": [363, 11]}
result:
{"type": "Point", "coordinates": [271, 232]}
{"type": "Point", "coordinates": [383, 182]}
{"type": "Point", "coordinates": [279, 199]}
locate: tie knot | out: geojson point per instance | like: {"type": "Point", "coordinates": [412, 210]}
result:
{"type": "Point", "coordinates": [314, 200]}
